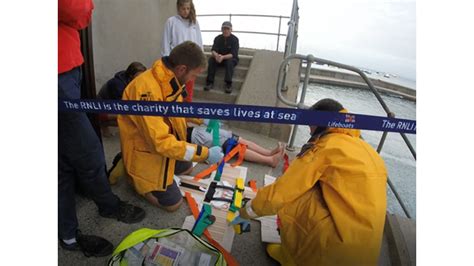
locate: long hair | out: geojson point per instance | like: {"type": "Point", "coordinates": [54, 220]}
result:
{"type": "Point", "coordinates": [192, 11]}
{"type": "Point", "coordinates": [134, 68]}
{"type": "Point", "coordinates": [324, 105]}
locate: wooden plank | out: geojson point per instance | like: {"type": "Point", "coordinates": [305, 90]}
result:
{"type": "Point", "coordinates": [198, 195]}
{"type": "Point", "coordinates": [249, 193]}
{"type": "Point", "coordinates": [269, 226]}
{"type": "Point", "coordinates": [220, 230]}
{"type": "Point", "coordinates": [269, 229]}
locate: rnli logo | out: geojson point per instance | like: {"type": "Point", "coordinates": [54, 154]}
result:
{"type": "Point", "coordinates": [350, 119]}
{"type": "Point", "coordinates": [145, 96]}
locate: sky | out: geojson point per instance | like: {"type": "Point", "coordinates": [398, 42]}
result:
{"type": "Point", "coordinates": [373, 34]}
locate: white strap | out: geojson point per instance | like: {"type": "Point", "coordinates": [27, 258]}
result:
{"type": "Point", "coordinates": [250, 212]}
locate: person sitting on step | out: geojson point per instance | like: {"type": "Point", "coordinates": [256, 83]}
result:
{"type": "Point", "coordinates": [225, 52]}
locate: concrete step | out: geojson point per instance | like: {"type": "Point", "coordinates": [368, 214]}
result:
{"type": "Point", "coordinates": [240, 72]}
{"type": "Point", "coordinates": [400, 239]}
{"type": "Point", "coordinates": [242, 51]}
{"type": "Point", "coordinates": [244, 60]}
{"type": "Point", "coordinates": [216, 95]}
{"type": "Point", "coordinates": [219, 82]}
{"type": "Point", "coordinates": [246, 51]}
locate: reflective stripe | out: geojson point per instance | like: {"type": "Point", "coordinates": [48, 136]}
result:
{"type": "Point", "coordinates": [199, 150]}
{"type": "Point", "coordinates": [165, 177]}
{"type": "Point", "coordinates": [190, 150]}
{"type": "Point", "coordinates": [250, 211]}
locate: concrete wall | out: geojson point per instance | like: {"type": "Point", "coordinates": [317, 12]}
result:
{"type": "Point", "coordinates": [259, 88]}
{"type": "Point", "coordinates": [124, 31]}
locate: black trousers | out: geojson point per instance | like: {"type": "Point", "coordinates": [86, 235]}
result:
{"type": "Point", "coordinates": [229, 65]}
{"type": "Point", "coordinates": [81, 160]}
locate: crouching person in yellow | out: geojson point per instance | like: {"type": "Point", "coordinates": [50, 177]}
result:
{"type": "Point", "coordinates": [331, 201]}
{"type": "Point", "coordinates": [154, 148]}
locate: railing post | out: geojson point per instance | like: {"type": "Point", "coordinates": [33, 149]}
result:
{"type": "Point", "coordinates": [390, 184]}
{"type": "Point", "coordinates": [404, 208]}
{"type": "Point", "coordinates": [230, 18]}
{"type": "Point", "coordinates": [309, 62]}
{"type": "Point", "coordinates": [278, 39]}
{"type": "Point", "coordinates": [382, 141]}
{"type": "Point", "coordinates": [408, 143]}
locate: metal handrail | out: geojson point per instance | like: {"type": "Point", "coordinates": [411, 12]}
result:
{"type": "Point", "coordinates": [309, 60]}
{"type": "Point", "coordinates": [290, 46]}
{"type": "Point", "coordinates": [242, 15]}
{"type": "Point", "coordinates": [252, 32]}
{"type": "Point", "coordinates": [292, 38]}
{"type": "Point", "coordinates": [278, 34]}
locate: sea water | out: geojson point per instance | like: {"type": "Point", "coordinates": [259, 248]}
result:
{"type": "Point", "coordinates": [401, 165]}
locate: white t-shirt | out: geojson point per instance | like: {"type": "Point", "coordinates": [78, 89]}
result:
{"type": "Point", "coordinates": [178, 30]}
{"type": "Point", "coordinates": [200, 136]}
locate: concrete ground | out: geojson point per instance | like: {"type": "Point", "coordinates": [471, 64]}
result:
{"type": "Point", "coordinates": [247, 248]}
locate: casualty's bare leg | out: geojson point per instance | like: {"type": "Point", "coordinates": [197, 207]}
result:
{"type": "Point", "coordinates": [270, 160]}
{"type": "Point", "coordinates": [259, 149]}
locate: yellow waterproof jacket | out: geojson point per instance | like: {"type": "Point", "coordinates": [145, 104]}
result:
{"type": "Point", "coordinates": [331, 202]}
{"type": "Point", "coordinates": [152, 144]}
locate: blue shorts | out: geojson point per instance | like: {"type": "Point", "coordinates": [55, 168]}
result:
{"type": "Point", "coordinates": [172, 195]}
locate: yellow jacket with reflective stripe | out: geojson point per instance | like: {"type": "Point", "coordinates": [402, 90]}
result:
{"type": "Point", "coordinates": [152, 144]}
{"type": "Point", "coordinates": [331, 202]}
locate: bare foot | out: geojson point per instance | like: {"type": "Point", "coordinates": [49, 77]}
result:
{"type": "Point", "coordinates": [276, 158]}
{"type": "Point", "coordinates": [283, 146]}
{"type": "Point", "coordinates": [278, 149]}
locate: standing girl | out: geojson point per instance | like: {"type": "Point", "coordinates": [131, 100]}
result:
{"type": "Point", "coordinates": [180, 28]}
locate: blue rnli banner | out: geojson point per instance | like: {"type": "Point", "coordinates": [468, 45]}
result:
{"type": "Point", "coordinates": [248, 113]}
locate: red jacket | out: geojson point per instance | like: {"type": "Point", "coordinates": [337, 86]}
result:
{"type": "Point", "coordinates": [73, 15]}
